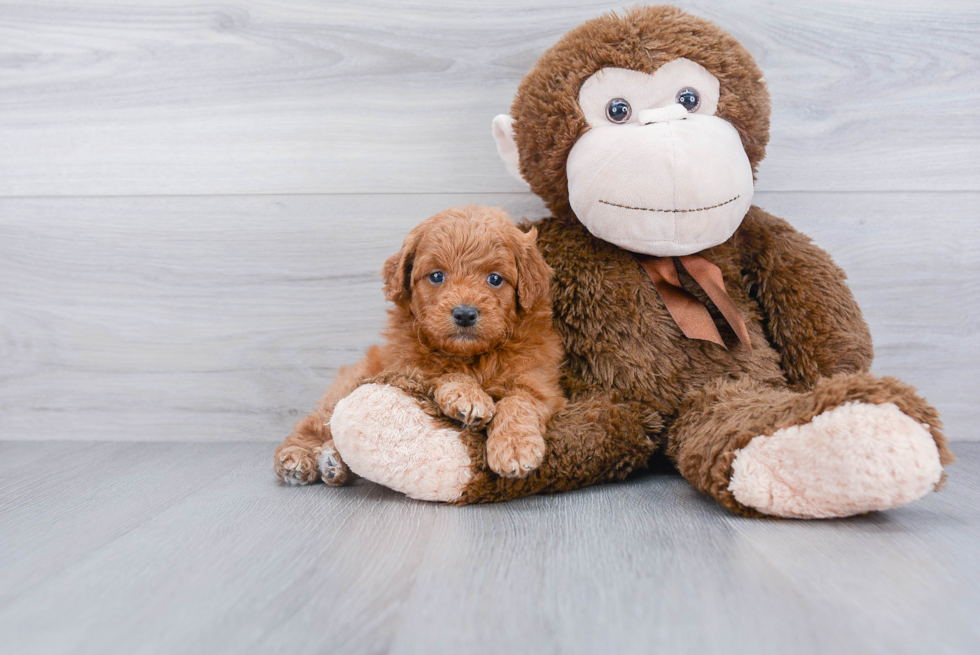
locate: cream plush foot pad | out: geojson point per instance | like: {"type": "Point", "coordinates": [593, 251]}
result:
{"type": "Point", "coordinates": [852, 459]}
{"type": "Point", "coordinates": [384, 436]}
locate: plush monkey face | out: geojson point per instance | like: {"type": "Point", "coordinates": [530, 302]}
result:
{"type": "Point", "coordinates": [647, 126]}
{"type": "Point", "coordinates": [657, 172]}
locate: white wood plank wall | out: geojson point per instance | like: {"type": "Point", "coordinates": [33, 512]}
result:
{"type": "Point", "coordinates": [195, 198]}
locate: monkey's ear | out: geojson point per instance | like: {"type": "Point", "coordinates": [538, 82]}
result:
{"type": "Point", "coordinates": [503, 134]}
{"type": "Point", "coordinates": [397, 271]}
{"type": "Point", "coordinates": [533, 273]}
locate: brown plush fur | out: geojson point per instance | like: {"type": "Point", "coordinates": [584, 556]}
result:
{"type": "Point", "coordinates": [501, 372]}
{"type": "Point", "coordinates": [634, 382]}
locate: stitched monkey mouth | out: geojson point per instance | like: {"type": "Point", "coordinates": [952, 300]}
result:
{"type": "Point", "coordinates": [670, 211]}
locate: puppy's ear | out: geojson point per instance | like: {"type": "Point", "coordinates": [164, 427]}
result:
{"type": "Point", "coordinates": [533, 274]}
{"type": "Point", "coordinates": [397, 271]}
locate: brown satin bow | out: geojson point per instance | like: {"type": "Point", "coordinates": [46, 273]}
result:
{"type": "Point", "coordinates": [687, 311]}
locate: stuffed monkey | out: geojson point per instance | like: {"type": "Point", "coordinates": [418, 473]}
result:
{"type": "Point", "coordinates": [696, 325]}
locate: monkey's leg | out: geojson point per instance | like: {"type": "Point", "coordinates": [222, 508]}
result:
{"type": "Point", "coordinates": [852, 444]}
{"type": "Point", "coordinates": [392, 434]}
{"type": "Point", "coordinates": [307, 454]}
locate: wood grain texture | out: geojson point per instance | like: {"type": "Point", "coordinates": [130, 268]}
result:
{"type": "Point", "coordinates": [90, 485]}
{"type": "Point", "coordinates": [179, 97]}
{"type": "Point", "coordinates": [225, 318]}
{"type": "Point", "coordinates": [227, 559]}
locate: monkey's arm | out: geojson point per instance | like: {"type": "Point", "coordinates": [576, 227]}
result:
{"type": "Point", "coordinates": [812, 317]}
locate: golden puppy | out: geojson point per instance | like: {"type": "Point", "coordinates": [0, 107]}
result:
{"type": "Point", "coordinates": [472, 320]}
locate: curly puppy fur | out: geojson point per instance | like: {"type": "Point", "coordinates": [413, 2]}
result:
{"type": "Point", "coordinates": [500, 373]}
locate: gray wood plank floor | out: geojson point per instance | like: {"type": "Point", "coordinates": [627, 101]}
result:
{"type": "Point", "coordinates": [196, 548]}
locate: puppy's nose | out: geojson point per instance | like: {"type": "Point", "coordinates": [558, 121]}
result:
{"type": "Point", "coordinates": [464, 315]}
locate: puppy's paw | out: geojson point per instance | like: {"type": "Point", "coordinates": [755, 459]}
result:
{"type": "Point", "coordinates": [514, 454]}
{"type": "Point", "coordinates": [297, 465]}
{"type": "Point", "coordinates": [333, 471]}
{"type": "Point", "coordinates": [469, 405]}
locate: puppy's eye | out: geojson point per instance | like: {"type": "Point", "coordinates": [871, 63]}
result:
{"type": "Point", "coordinates": [689, 98]}
{"type": "Point", "coordinates": [494, 280]}
{"type": "Point", "coordinates": [437, 277]}
{"type": "Point", "coordinates": [618, 110]}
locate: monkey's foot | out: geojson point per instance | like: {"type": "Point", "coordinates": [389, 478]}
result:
{"type": "Point", "coordinates": [852, 459]}
{"type": "Point", "coordinates": [383, 435]}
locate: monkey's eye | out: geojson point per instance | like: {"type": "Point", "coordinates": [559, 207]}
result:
{"type": "Point", "coordinates": [618, 110]}
{"type": "Point", "coordinates": [690, 98]}
{"type": "Point", "coordinates": [437, 277]}
{"type": "Point", "coordinates": [494, 280]}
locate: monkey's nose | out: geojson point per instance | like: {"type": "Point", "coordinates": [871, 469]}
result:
{"type": "Point", "coordinates": [465, 316]}
{"type": "Point", "coordinates": [672, 112]}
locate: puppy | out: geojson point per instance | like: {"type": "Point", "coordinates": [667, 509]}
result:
{"type": "Point", "coordinates": [472, 321]}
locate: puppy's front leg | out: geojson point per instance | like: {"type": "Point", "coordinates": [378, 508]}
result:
{"type": "Point", "coordinates": [515, 439]}
{"type": "Point", "coordinates": [460, 397]}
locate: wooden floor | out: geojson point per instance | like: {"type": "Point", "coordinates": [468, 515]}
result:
{"type": "Point", "coordinates": [196, 548]}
